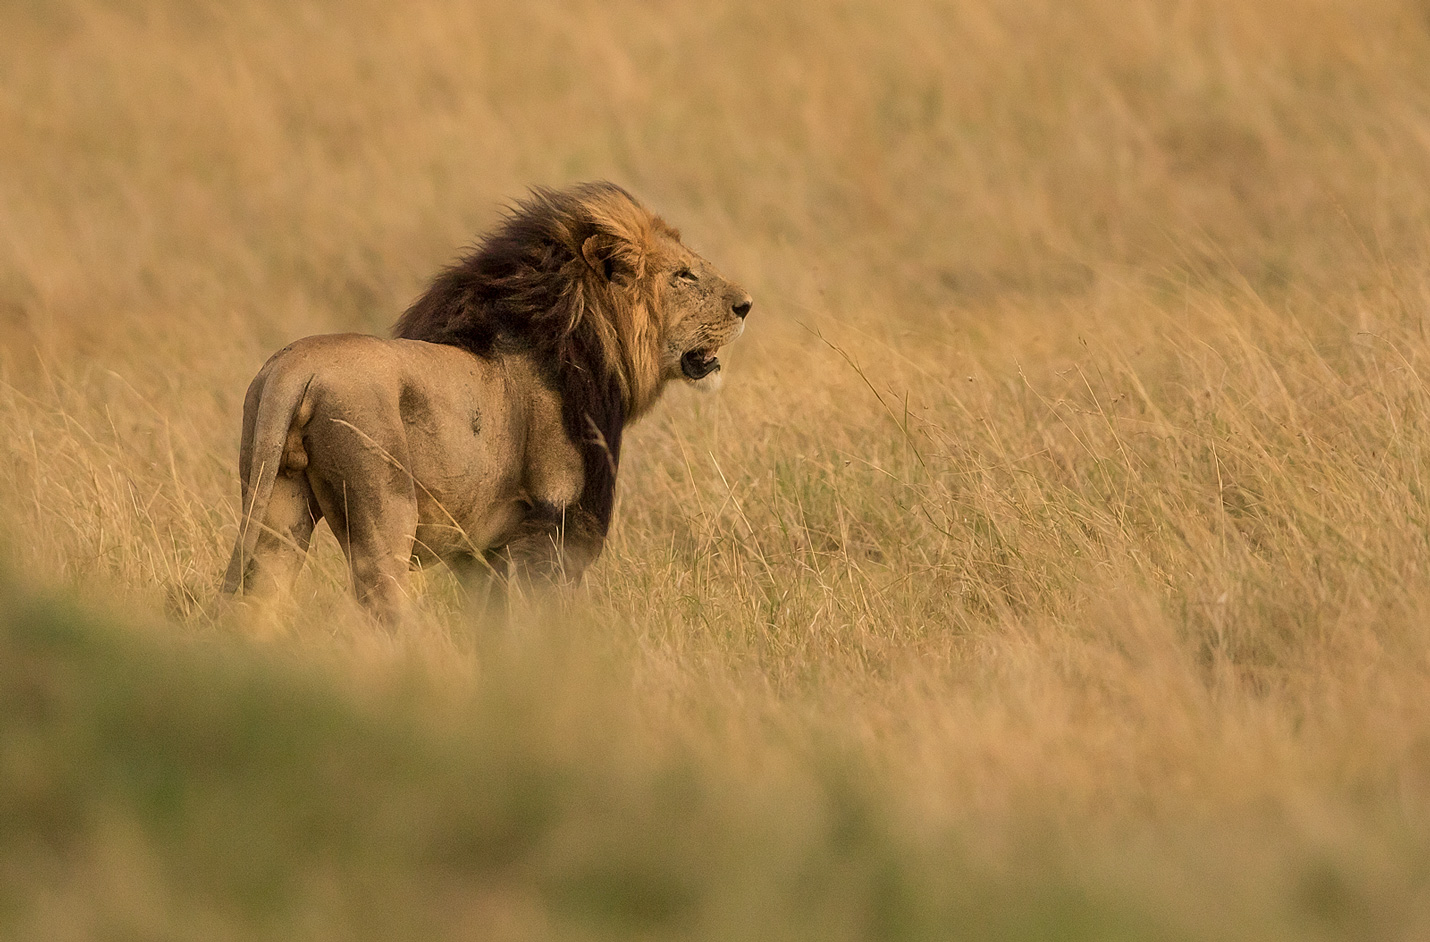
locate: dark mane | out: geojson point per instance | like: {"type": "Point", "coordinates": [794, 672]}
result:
{"type": "Point", "coordinates": [527, 288]}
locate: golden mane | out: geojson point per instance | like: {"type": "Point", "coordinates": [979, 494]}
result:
{"type": "Point", "coordinates": [566, 278]}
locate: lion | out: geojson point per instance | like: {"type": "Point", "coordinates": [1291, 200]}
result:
{"type": "Point", "coordinates": [487, 433]}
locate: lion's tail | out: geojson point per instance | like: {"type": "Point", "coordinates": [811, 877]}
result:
{"type": "Point", "coordinates": [275, 407]}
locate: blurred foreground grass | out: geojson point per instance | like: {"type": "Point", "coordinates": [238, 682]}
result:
{"type": "Point", "coordinates": [163, 790]}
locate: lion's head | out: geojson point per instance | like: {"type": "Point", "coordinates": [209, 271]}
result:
{"type": "Point", "coordinates": [602, 290]}
{"type": "Point", "coordinates": [700, 312]}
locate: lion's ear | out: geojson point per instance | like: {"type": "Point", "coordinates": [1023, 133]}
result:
{"type": "Point", "coordinates": [610, 258]}
{"type": "Point", "coordinates": [598, 250]}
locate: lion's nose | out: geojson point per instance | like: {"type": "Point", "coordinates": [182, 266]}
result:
{"type": "Point", "coordinates": [742, 307]}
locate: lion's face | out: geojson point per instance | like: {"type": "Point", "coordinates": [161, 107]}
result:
{"type": "Point", "coordinates": [699, 312]}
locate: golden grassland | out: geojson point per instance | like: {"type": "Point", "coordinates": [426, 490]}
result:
{"type": "Point", "coordinates": [1053, 563]}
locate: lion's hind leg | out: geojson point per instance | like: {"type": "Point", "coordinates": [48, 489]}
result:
{"type": "Point", "coordinates": [282, 547]}
{"type": "Point", "coordinates": [373, 513]}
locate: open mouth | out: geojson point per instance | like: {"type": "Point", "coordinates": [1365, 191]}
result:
{"type": "Point", "coordinates": [698, 364]}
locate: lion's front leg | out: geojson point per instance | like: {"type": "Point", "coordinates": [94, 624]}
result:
{"type": "Point", "coordinates": [552, 546]}
{"type": "Point", "coordinates": [483, 581]}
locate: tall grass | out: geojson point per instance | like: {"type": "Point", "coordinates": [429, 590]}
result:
{"type": "Point", "coordinates": [1053, 562]}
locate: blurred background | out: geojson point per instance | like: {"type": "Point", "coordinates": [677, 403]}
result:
{"type": "Point", "coordinates": [1052, 564]}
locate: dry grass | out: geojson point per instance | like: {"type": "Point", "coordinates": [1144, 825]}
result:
{"type": "Point", "coordinates": [1066, 501]}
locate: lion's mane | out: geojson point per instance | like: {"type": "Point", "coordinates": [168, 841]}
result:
{"type": "Point", "coordinates": [564, 279]}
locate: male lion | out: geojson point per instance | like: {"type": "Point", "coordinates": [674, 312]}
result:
{"type": "Point", "coordinates": [489, 431]}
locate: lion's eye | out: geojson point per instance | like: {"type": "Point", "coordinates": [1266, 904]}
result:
{"type": "Point", "coordinates": [686, 274]}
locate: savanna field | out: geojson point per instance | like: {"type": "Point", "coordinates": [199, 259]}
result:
{"type": "Point", "coordinates": [1053, 564]}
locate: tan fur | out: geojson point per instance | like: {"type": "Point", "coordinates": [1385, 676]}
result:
{"type": "Point", "coordinates": [471, 437]}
